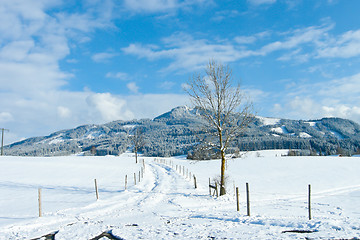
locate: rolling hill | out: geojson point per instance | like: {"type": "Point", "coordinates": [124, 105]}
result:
{"type": "Point", "coordinates": [177, 132]}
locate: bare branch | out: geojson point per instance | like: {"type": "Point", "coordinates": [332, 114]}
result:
{"type": "Point", "coordinates": [223, 105]}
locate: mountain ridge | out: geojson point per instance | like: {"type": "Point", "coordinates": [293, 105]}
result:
{"type": "Point", "coordinates": [175, 133]}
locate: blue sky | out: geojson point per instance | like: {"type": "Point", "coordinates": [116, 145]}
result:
{"type": "Point", "coordinates": [66, 63]}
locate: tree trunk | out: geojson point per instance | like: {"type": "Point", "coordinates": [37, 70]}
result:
{"type": "Point", "coordinates": [223, 162]}
{"type": "Point", "coordinates": [222, 180]}
{"type": "Point", "coordinates": [136, 155]}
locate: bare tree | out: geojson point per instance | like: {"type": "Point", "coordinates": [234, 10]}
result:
{"type": "Point", "coordinates": [137, 140]}
{"type": "Point", "coordinates": [224, 106]}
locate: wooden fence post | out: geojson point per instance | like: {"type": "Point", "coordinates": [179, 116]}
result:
{"type": "Point", "coordinates": [209, 187]}
{"type": "Point", "coordinates": [39, 200]}
{"type": "Point", "coordinates": [134, 178]}
{"type": "Point", "coordinates": [309, 201]}
{"type": "Point", "coordinates": [237, 199]}
{"type": "Point", "coordinates": [96, 190]}
{"type": "Point", "coordinates": [248, 199]}
{"type": "Point", "coordinates": [125, 181]}
{"type": "Point", "coordinates": [195, 182]}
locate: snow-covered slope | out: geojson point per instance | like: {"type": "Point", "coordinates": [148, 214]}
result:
{"type": "Point", "coordinates": [175, 133]}
{"type": "Point", "coordinates": [165, 204]}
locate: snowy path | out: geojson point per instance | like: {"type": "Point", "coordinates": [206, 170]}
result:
{"type": "Point", "coordinates": [159, 205]}
{"type": "Point", "coordinates": [165, 205]}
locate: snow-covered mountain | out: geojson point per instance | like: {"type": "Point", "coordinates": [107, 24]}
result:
{"type": "Point", "coordinates": [174, 133]}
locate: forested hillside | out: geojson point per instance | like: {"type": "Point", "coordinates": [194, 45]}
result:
{"type": "Point", "coordinates": [178, 132]}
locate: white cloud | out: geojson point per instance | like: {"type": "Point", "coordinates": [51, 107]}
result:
{"type": "Point", "coordinates": [311, 35]}
{"type": "Point", "coordinates": [132, 87]}
{"type": "Point", "coordinates": [151, 5]}
{"type": "Point", "coordinates": [295, 55]}
{"type": "Point", "coordinates": [277, 108]}
{"type": "Point", "coordinates": [253, 95]}
{"type": "Point", "coordinates": [33, 102]}
{"type": "Point", "coordinates": [161, 5]}
{"type": "Point", "coordinates": [334, 98]}
{"type": "Point", "coordinates": [187, 53]}
{"type": "Point", "coordinates": [34, 38]}
{"type": "Point", "coordinates": [110, 107]}
{"type": "Point", "coordinates": [167, 85]}
{"type": "Point", "coordinates": [33, 42]}
{"type": "Point", "coordinates": [304, 105]}
{"type": "Point", "coordinates": [35, 114]}
{"type": "Point", "coordinates": [346, 46]}
{"type": "Point", "coordinates": [16, 50]}
{"type": "Point", "coordinates": [185, 86]}
{"type": "Point", "coordinates": [77, 108]}
{"type": "Point", "coordinates": [152, 105]}
{"type": "Point", "coordinates": [344, 111]}
{"type": "Point", "coordinates": [119, 75]}
{"type": "Point", "coordinates": [5, 117]}
{"type": "Point", "coordinates": [30, 78]}
{"type": "Point", "coordinates": [345, 88]}
{"type": "Point", "coordinates": [103, 57]}
{"type": "Point", "coordinates": [83, 22]}
{"type": "Point", "coordinates": [245, 39]}
{"type": "Point", "coordinates": [221, 15]}
{"type": "Point", "coordinates": [64, 112]}
{"type": "Point", "coordinates": [260, 2]}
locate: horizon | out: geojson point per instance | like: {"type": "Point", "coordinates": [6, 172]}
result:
{"type": "Point", "coordinates": [66, 64]}
{"type": "Point", "coordinates": [152, 119]}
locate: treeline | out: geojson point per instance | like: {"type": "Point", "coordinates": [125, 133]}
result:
{"type": "Point", "coordinates": [180, 131]}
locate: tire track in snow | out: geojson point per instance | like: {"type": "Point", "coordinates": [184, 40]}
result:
{"type": "Point", "coordinates": [166, 184]}
{"type": "Point", "coordinates": [157, 199]}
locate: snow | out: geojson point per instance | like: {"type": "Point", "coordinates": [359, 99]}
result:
{"type": "Point", "coordinates": [269, 121]}
{"type": "Point", "coordinates": [312, 124]}
{"type": "Point", "coordinates": [129, 126]}
{"type": "Point", "coordinates": [304, 135]}
{"type": "Point", "coordinates": [281, 130]}
{"type": "Point", "coordinates": [56, 141]}
{"type": "Point", "coordinates": [93, 135]}
{"type": "Point", "coordinates": [337, 134]}
{"type": "Point", "coordinates": [277, 130]}
{"type": "Point", "coordinates": [165, 204]}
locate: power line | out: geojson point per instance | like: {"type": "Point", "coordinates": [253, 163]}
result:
{"type": "Point", "coordinates": [2, 140]}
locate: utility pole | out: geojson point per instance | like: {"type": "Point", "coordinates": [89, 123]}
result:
{"type": "Point", "coordinates": [2, 140]}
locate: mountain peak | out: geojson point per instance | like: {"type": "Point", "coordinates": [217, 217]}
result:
{"type": "Point", "coordinates": [177, 132]}
{"type": "Point", "coordinates": [178, 113]}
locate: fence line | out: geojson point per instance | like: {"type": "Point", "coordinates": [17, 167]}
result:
{"type": "Point", "coordinates": [39, 201]}
{"type": "Point", "coordinates": [96, 190]}
{"type": "Point", "coordinates": [212, 187]}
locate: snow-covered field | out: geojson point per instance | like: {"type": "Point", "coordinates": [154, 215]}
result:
{"type": "Point", "coordinates": [165, 205]}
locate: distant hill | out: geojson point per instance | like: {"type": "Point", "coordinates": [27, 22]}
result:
{"type": "Point", "coordinates": [174, 133]}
